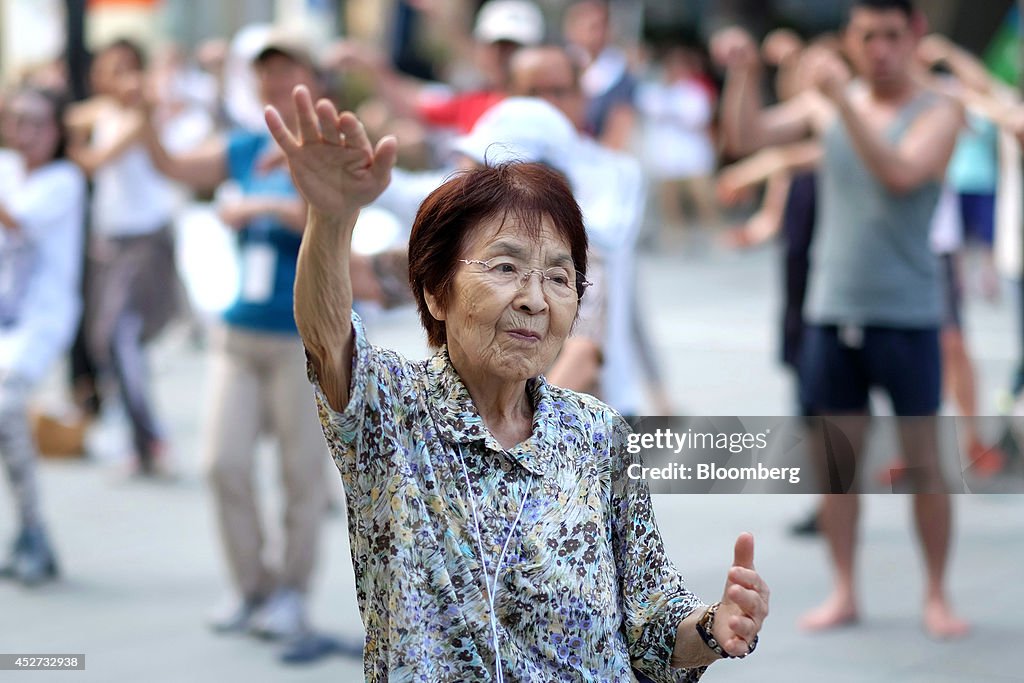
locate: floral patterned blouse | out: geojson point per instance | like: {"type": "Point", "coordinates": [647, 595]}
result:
{"type": "Point", "coordinates": [584, 591]}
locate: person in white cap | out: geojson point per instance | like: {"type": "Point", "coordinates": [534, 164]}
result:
{"type": "Point", "coordinates": [502, 26]}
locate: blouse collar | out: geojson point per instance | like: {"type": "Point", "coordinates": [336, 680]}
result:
{"type": "Point", "coordinates": [459, 422]}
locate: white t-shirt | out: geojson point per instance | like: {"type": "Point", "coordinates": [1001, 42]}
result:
{"type": "Point", "coordinates": [130, 197]}
{"type": "Point", "coordinates": [676, 141]}
{"type": "Point", "coordinates": [947, 230]}
{"type": "Point", "coordinates": [40, 269]}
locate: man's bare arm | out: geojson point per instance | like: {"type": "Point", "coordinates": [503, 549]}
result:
{"type": "Point", "coordinates": [921, 156]}
{"type": "Point", "coordinates": [203, 168]}
{"type": "Point", "coordinates": [759, 167]}
{"type": "Point", "coordinates": [747, 125]}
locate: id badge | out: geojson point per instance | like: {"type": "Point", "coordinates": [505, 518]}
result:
{"type": "Point", "coordinates": [259, 263]}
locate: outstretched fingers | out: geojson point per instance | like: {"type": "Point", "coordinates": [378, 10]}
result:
{"type": "Point", "coordinates": [355, 134]}
{"type": "Point", "coordinates": [309, 126]}
{"type": "Point", "coordinates": [327, 117]}
{"type": "Point", "coordinates": [276, 125]}
{"type": "Point", "coordinates": [384, 157]}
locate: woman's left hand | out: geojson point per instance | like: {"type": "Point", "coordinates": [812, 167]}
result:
{"type": "Point", "coordinates": [744, 602]}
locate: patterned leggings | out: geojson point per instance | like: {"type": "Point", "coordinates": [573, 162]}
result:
{"type": "Point", "coordinates": [17, 448]}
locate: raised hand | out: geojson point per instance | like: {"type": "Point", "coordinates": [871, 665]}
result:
{"type": "Point", "coordinates": [331, 160]}
{"type": "Point", "coordinates": [744, 601]}
{"type": "Point", "coordinates": [934, 48]}
{"type": "Point", "coordinates": [826, 71]}
{"type": "Point", "coordinates": [733, 47]}
{"type": "Point", "coordinates": [781, 45]}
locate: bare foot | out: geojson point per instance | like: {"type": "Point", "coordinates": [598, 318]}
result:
{"type": "Point", "coordinates": [985, 462]}
{"type": "Point", "coordinates": [941, 624]}
{"type": "Point", "coordinates": [833, 613]}
{"type": "Point", "coordinates": [893, 473]}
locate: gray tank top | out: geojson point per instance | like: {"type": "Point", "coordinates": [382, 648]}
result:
{"type": "Point", "coordinates": [871, 263]}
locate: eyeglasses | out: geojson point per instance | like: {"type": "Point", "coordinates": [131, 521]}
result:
{"type": "Point", "coordinates": [553, 92]}
{"type": "Point", "coordinates": [558, 282]}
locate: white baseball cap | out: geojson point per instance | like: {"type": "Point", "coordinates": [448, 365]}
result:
{"type": "Point", "coordinates": [607, 184]}
{"type": "Point", "coordinates": [521, 129]}
{"type": "Point", "coordinates": [517, 21]}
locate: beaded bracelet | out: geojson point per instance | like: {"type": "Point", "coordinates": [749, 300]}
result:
{"type": "Point", "coordinates": [704, 626]}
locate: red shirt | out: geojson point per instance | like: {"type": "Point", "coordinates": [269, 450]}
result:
{"type": "Point", "coordinates": [460, 112]}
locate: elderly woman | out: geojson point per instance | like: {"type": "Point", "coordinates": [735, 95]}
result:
{"type": "Point", "coordinates": [494, 533]}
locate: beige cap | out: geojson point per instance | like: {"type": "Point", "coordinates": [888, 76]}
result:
{"type": "Point", "coordinates": [291, 45]}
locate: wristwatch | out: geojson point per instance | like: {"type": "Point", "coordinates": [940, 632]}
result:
{"type": "Point", "coordinates": [704, 627]}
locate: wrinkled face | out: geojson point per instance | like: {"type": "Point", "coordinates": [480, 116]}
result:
{"type": "Point", "coordinates": [508, 333]}
{"type": "Point", "coordinates": [30, 128]}
{"type": "Point", "coordinates": [277, 75]}
{"type": "Point", "coordinates": [881, 44]}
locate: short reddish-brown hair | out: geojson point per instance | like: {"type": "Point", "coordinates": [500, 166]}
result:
{"type": "Point", "coordinates": [526, 192]}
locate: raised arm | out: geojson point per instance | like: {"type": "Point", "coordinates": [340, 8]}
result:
{"type": "Point", "coordinates": [91, 157]}
{"type": "Point", "coordinates": [760, 167]}
{"type": "Point", "coordinates": [203, 168]}
{"type": "Point", "coordinates": [747, 125]}
{"type": "Point", "coordinates": [338, 172]}
{"type": "Point", "coordinates": [967, 68]}
{"type": "Point", "coordinates": [920, 156]}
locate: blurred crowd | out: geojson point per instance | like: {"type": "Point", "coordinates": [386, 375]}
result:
{"type": "Point", "coordinates": [98, 195]}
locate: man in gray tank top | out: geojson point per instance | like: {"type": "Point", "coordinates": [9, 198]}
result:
{"type": "Point", "coordinates": [874, 302]}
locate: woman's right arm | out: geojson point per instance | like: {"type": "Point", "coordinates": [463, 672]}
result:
{"type": "Point", "coordinates": [337, 171]}
{"type": "Point", "coordinates": [203, 168]}
{"type": "Point", "coordinates": [91, 157]}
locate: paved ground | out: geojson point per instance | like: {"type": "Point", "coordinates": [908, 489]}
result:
{"type": "Point", "coordinates": [142, 564]}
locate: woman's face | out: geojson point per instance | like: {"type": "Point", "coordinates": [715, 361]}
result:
{"type": "Point", "coordinates": [507, 332]}
{"type": "Point", "coordinates": [30, 128]}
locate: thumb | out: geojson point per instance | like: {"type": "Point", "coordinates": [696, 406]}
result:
{"type": "Point", "coordinates": [384, 157]}
{"type": "Point", "coordinates": [743, 554]}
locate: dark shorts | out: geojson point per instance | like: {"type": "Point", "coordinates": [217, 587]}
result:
{"type": "Point", "coordinates": [841, 365]}
{"type": "Point", "coordinates": [978, 212]}
{"type": "Point", "coordinates": [798, 231]}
